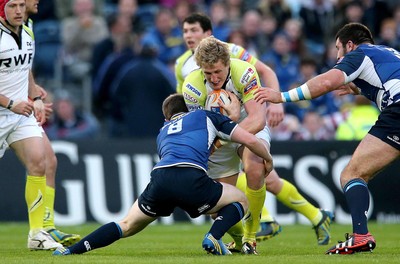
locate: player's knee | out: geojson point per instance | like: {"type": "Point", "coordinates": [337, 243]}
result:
{"type": "Point", "coordinates": [36, 166]}
{"type": "Point", "coordinates": [352, 172]}
{"type": "Point", "coordinates": [255, 176]}
{"type": "Point", "coordinates": [245, 204]}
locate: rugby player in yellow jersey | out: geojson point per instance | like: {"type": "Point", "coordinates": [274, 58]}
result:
{"type": "Point", "coordinates": [197, 27]}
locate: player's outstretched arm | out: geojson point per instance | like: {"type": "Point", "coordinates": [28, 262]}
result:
{"type": "Point", "coordinates": [315, 87]}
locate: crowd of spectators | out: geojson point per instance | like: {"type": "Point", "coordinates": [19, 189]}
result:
{"type": "Point", "coordinates": [124, 52]}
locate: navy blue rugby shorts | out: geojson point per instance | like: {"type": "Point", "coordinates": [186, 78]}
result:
{"type": "Point", "coordinates": [387, 127]}
{"type": "Point", "coordinates": [187, 188]}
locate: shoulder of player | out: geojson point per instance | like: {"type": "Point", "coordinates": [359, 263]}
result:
{"type": "Point", "coordinates": [4, 28]}
{"type": "Point", "coordinates": [28, 30]}
{"type": "Point", "coordinates": [220, 122]}
{"type": "Point", "coordinates": [242, 71]}
{"type": "Point", "coordinates": [196, 77]}
{"type": "Point", "coordinates": [194, 89]}
{"type": "Point", "coordinates": [235, 50]}
{"type": "Point", "coordinates": [183, 58]}
{"type": "Point", "coordinates": [214, 116]}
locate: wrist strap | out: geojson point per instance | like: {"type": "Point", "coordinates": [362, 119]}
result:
{"type": "Point", "coordinates": [297, 94]}
{"type": "Point", "coordinates": [10, 104]}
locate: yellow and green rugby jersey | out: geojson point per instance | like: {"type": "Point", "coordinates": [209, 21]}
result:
{"type": "Point", "coordinates": [243, 81]}
{"type": "Point", "coordinates": [185, 64]}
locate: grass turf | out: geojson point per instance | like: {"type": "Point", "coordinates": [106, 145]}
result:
{"type": "Point", "coordinates": [181, 243]}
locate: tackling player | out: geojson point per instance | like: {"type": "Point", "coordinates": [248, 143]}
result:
{"type": "Point", "coordinates": [180, 179]}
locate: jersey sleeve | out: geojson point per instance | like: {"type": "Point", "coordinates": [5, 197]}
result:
{"type": "Point", "coordinates": [223, 125]}
{"type": "Point", "coordinates": [246, 80]}
{"type": "Point", "coordinates": [238, 52]}
{"type": "Point", "coordinates": [351, 64]}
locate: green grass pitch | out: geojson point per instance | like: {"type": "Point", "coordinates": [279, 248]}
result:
{"type": "Point", "coordinates": [181, 243]}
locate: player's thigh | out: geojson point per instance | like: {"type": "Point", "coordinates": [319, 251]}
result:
{"type": "Point", "coordinates": [31, 153]}
{"type": "Point", "coordinates": [232, 180]}
{"type": "Point", "coordinates": [135, 221]}
{"type": "Point", "coordinates": [370, 156]}
{"type": "Point", "coordinates": [230, 194]}
{"type": "Point", "coordinates": [51, 159]}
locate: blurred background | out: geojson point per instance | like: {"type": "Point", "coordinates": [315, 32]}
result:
{"type": "Point", "coordinates": [108, 64]}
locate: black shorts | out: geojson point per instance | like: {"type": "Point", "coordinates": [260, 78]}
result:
{"type": "Point", "coordinates": [387, 127]}
{"type": "Point", "coordinates": [187, 188]}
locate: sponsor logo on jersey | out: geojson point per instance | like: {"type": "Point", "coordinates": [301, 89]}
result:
{"type": "Point", "coordinates": [246, 76]}
{"type": "Point", "coordinates": [194, 107]}
{"type": "Point", "coordinates": [16, 60]}
{"type": "Point", "coordinates": [253, 84]}
{"type": "Point", "coordinates": [191, 88]}
{"type": "Point", "coordinates": [245, 56]}
{"type": "Point", "coordinates": [234, 50]}
{"type": "Point", "coordinates": [190, 98]}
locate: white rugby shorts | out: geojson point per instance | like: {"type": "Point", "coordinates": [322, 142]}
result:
{"type": "Point", "coordinates": [225, 161]}
{"type": "Point", "coordinates": [14, 127]}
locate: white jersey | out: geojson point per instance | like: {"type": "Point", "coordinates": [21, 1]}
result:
{"type": "Point", "coordinates": [16, 57]}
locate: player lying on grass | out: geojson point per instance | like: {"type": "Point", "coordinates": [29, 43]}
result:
{"type": "Point", "coordinates": [180, 179]}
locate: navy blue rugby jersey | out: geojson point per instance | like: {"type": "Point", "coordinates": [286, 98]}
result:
{"type": "Point", "coordinates": [186, 140]}
{"type": "Point", "coordinates": [375, 69]}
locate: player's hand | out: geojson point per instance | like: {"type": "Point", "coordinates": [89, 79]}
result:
{"type": "Point", "coordinates": [349, 88]}
{"type": "Point", "coordinates": [269, 95]}
{"type": "Point", "coordinates": [275, 114]}
{"type": "Point", "coordinates": [43, 93]}
{"type": "Point", "coordinates": [48, 109]}
{"type": "Point", "coordinates": [39, 111]}
{"type": "Point", "coordinates": [232, 109]}
{"type": "Point", "coordinates": [22, 108]}
{"type": "Point", "coordinates": [218, 143]}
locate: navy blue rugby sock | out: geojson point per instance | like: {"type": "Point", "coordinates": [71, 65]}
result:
{"type": "Point", "coordinates": [357, 197]}
{"type": "Point", "coordinates": [101, 237]}
{"type": "Point", "coordinates": [227, 217]}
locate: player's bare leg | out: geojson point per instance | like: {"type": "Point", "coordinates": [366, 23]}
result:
{"type": "Point", "coordinates": [48, 222]}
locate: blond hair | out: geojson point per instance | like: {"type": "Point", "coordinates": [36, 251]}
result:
{"type": "Point", "coordinates": [210, 51]}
